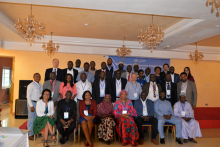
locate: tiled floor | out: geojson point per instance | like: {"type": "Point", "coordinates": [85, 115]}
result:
{"type": "Point", "coordinates": [211, 137]}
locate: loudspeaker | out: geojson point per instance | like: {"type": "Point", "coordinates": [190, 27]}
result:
{"type": "Point", "coordinates": [23, 88]}
{"type": "Point", "coordinates": [21, 111]}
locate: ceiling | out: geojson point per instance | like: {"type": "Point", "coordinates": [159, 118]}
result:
{"type": "Point", "coordinates": [212, 41]}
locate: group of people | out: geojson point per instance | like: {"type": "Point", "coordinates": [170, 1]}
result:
{"type": "Point", "coordinates": [112, 98]}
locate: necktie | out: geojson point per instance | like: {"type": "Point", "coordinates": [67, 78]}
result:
{"type": "Point", "coordinates": [129, 78]}
{"type": "Point", "coordinates": [154, 89]}
{"type": "Point", "coordinates": [55, 70]}
{"type": "Point", "coordinates": [168, 86]}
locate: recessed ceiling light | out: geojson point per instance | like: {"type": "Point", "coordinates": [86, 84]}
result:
{"type": "Point", "coordinates": [86, 24]}
{"type": "Point", "coordinates": [217, 26]}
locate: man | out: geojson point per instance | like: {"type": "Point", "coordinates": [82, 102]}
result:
{"type": "Point", "coordinates": [170, 90]}
{"type": "Point", "coordinates": [89, 75]}
{"type": "Point", "coordinates": [190, 127]}
{"type": "Point", "coordinates": [121, 66]}
{"type": "Point", "coordinates": [164, 72]}
{"type": "Point", "coordinates": [100, 88]}
{"type": "Point", "coordinates": [34, 91]}
{"type": "Point", "coordinates": [145, 113]}
{"type": "Point", "coordinates": [147, 73]}
{"type": "Point", "coordinates": [109, 66]}
{"type": "Point", "coordinates": [117, 84]}
{"type": "Point", "coordinates": [136, 68]}
{"type": "Point", "coordinates": [66, 112]}
{"type": "Point", "coordinates": [92, 67]}
{"type": "Point", "coordinates": [152, 89]}
{"type": "Point", "coordinates": [133, 88]}
{"type": "Point", "coordinates": [175, 78]}
{"type": "Point", "coordinates": [164, 113]}
{"type": "Point", "coordinates": [188, 87]}
{"type": "Point", "coordinates": [108, 74]}
{"type": "Point", "coordinates": [70, 70]}
{"type": "Point", "coordinates": [141, 79]}
{"type": "Point", "coordinates": [82, 86]}
{"type": "Point", "coordinates": [59, 72]}
{"type": "Point", "coordinates": [127, 74]}
{"type": "Point", "coordinates": [77, 67]}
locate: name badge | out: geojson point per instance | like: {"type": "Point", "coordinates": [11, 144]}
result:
{"type": "Point", "coordinates": [182, 91]}
{"type": "Point", "coordinates": [52, 94]}
{"type": "Point", "coordinates": [102, 92]}
{"type": "Point", "coordinates": [66, 115]}
{"type": "Point", "coordinates": [135, 95]}
{"type": "Point", "coordinates": [168, 92]}
{"type": "Point", "coordinates": [86, 113]}
{"type": "Point", "coordinates": [124, 112]}
{"type": "Point", "coordinates": [118, 91]}
{"type": "Point", "coordinates": [183, 113]}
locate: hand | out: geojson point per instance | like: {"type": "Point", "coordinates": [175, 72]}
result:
{"type": "Point", "coordinates": [124, 115]}
{"type": "Point", "coordinates": [169, 117]}
{"type": "Point", "coordinates": [103, 116]}
{"type": "Point", "coordinates": [69, 122]}
{"type": "Point", "coordinates": [32, 109]}
{"type": "Point", "coordinates": [51, 117]}
{"type": "Point", "coordinates": [188, 119]}
{"type": "Point", "coordinates": [56, 103]}
{"type": "Point", "coordinates": [87, 117]}
{"type": "Point", "coordinates": [63, 122]}
{"type": "Point", "coordinates": [165, 116]}
{"type": "Point", "coordinates": [146, 118]}
{"type": "Point", "coordinates": [194, 107]}
{"type": "Point", "coordinates": [184, 118]}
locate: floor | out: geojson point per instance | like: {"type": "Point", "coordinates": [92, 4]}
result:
{"type": "Point", "coordinates": [211, 137]}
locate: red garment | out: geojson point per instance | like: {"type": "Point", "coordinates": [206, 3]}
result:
{"type": "Point", "coordinates": [92, 110]}
{"type": "Point", "coordinates": [191, 79]}
{"type": "Point", "coordinates": [63, 90]}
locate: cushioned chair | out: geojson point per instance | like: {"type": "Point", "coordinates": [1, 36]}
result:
{"type": "Point", "coordinates": [173, 130]}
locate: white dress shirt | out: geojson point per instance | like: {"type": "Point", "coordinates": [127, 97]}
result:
{"type": "Point", "coordinates": [70, 72]}
{"type": "Point", "coordinates": [81, 88]}
{"type": "Point", "coordinates": [118, 87]}
{"type": "Point", "coordinates": [150, 95]}
{"type": "Point", "coordinates": [41, 107]}
{"type": "Point", "coordinates": [54, 69]}
{"type": "Point", "coordinates": [184, 86]}
{"type": "Point", "coordinates": [34, 91]}
{"type": "Point", "coordinates": [80, 69]}
{"type": "Point", "coordinates": [172, 77]}
{"type": "Point", "coordinates": [144, 107]}
{"type": "Point", "coordinates": [128, 75]}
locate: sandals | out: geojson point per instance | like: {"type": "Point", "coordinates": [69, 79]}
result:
{"type": "Point", "coordinates": [192, 140]}
{"type": "Point", "coordinates": [185, 140]}
{"type": "Point", "coordinates": [54, 140]}
{"type": "Point", "coordinates": [45, 141]}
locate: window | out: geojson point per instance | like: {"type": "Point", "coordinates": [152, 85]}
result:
{"type": "Point", "coordinates": [6, 77]}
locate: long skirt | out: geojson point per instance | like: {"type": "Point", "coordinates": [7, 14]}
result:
{"type": "Point", "coordinates": [40, 123]}
{"type": "Point", "coordinates": [128, 131]}
{"type": "Point", "coordinates": [105, 131]}
{"type": "Point", "coordinates": [190, 129]}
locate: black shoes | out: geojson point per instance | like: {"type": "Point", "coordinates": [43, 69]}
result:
{"type": "Point", "coordinates": [62, 140]}
{"type": "Point", "coordinates": [179, 141]}
{"type": "Point", "coordinates": [162, 141]}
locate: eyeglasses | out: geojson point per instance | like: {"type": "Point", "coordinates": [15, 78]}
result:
{"type": "Point", "coordinates": [107, 98]}
{"type": "Point", "coordinates": [46, 94]}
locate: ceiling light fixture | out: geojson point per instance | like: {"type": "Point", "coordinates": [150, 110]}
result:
{"type": "Point", "coordinates": [215, 4]}
{"type": "Point", "coordinates": [123, 52]}
{"type": "Point", "coordinates": [197, 56]}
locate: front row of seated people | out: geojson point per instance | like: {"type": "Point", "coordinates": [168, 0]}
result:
{"type": "Point", "coordinates": [122, 115]}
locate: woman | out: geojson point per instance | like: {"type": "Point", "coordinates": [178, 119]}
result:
{"type": "Point", "coordinates": [141, 79]}
{"type": "Point", "coordinates": [44, 119]}
{"type": "Point", "coordinates": [124, 113]}
{"type": "Point", "coordinates": [105, 112]}
{"type": "Point", "coordinates": [68, 85]}
{"type": "Point", "coordinates": [87, 112]}
{"type": "Point", "coordinates": [157, 71]}
{"type": "Point", "coordinates": [188, 72]}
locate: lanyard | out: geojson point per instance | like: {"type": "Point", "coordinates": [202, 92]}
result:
{"type": "Point", "coordinates": [84, 86]}
{"type": "Point", "coordinates": [147, 78]}
{"type": "Point", "coordinates": [46, 108]}
{"type": "Point", "coordinates": [102, 83]}
{"type": "Point", "coordinates": [53, 87]}
{"type": "Point", "coordinates": [37, 86]}
{"type": "Point", "coordinates": [89, 104]}
{"type": "Point", "coordinates": [133, 86]}
{"type": "Point", "coordinates": [183, 106]}
{"type": "Point", "coordinates": [184, 86]}
{"type": "Point", "coordinates": [124, 105]}
{"type": "Point", "coordinates": [118, 83]}
{"type": "Point", "coordinates": [67, 107]}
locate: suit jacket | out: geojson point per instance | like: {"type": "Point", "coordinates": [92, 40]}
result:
{"type": "Point", "coordinates": [108, 74]}
{"type": "Point", "coordinates": [113, 87]}
{"type": "Point", "coordinates": [61, 108]}
{"type": "Point", "coordinates": [59, 74]}
{"type": "Point", "coordinates": [96, 90]}
{"type": "Point", "coordinates": [92, 110]}
{"type": "Point", "coordinates": [75, 73]}
{"type": "Point", "coordinates": [146, 86]}
{"type": "Point", "coordinates": [138, 106]}
{"type": "Point", "coordinates": [162, 76]}
{"type": "Point", "coordinates": [191, 92]}
{"type": "Point", "coordinates": [176, 78]}
{"type": "Point", "coordinates": [173, 92]}
{"type": "Point", "coordinates": [56, 95]}
{"type": "Point", "coordinates": [111, 70]}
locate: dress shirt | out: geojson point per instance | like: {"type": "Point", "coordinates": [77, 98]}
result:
{"type": "Point", "coordinates": [184, 86]}
{"type": "Point", "coordinates": [34, 91]}
{"type": "Point", "coordinates": [80, 69]}
{"type": "Point", "coordinates": [172, 77]}
{"type": "Point", "coordinates": [163, 108]}
{"type": "Point", "coordinates": [89, 76]}
{"type": "Point", "coordinates": [92, 71]}
{"type": "Point", "coordinates": [147, 78]}
{"type": "Point", "coordinates": [102, 87]}
{"type": "Point", "coordinates": [55, 69]}
{"type": "Point", "coordinates": [150, 95]}
{"type": "Point", "coordinates": [130, 88]}
{"type": "Point", "coordinates": [118, 87]}
{"type": "Point", "coordinates": [41, 107]}
{"type": "Point", "coordinates": [81, 88]}
{"type": "Point", "coordinates": [170, 90]}
{"type": "Point", "coordinates": [144, 107]}
{"type": "Point", "coordinates": [70, 72]}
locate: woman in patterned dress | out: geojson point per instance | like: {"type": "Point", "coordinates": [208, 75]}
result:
{"type": "Point", "coordinates": [126, 127]}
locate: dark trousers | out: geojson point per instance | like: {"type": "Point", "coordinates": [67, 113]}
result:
{"type": "Point", "coordinates": [68, 130]}
{"type": "Point", "coordinates": [133, 102]}
{"type": "Point", "coordinates": [153, 121]}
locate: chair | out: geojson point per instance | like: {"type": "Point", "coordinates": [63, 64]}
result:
{"type": "Point", "coordinates": [146, 124]}
{"type": "Point", "coordinates": [173, 131]}
{"type": "Point", "coordinates": [53, 132]}
{"type": "Point", "coordinates": [74, 135]}
{"type": "Point", "coordinates": [96, 132]}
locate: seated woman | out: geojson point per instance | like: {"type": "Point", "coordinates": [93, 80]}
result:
{"type": "Point", "coordinates": [87, 112]}
{"type": "Point", "coordinates": [124, 113]}
{"type": "Point", "coordinates": [66, 113]}
{"type": "Point", "coordinates": [105, 112]}
{"type": "Point", "coordinates": [45, 119]}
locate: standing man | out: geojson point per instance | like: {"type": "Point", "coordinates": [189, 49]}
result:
{"type": "Point", "coordinates": [164, 72]}
{"type": "Point", "coordinates": [77, 67]}
{"type": "Point", "coordinates": [175, 78]}
{"type": "Point", "coordinates": [70, 70]}
{"type": "Point", "coordinates": [34, 91]}
{"type": "Point", "coordinates": [188, 87]}
{"type": "Point", "coordinates": [147, 73]}
{"type": "Point", "coordinates": [92, 67]}
{"type": "Point", "coordinates": [141, 79]}
{"type": "Point", "coordinates": [59, 72]}
{"type": "Point", "coordinates": [121, 66]}
{"type": "Point", "coordinates": [127, 74]}
{"type": "Point", "coordinates": [136, 68]}
{"type": "Point", "coordinates": [109, 66]}
{"type": "Point", "coordinates": [100, 88]}
{"type": "Point", "coordinates": [89, 75]}
{"type": "Point", "coordinates": [170, 89]}
{"type": "Point", "coordinates": [152, 88]}
{"type": "Point", "coordinates": [117, 84]}
{"type": "Point", "coordinates": [108, 74]}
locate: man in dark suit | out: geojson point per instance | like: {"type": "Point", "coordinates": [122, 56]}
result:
{"type": "Point", "coordinates": [164, 72]}
{"type": "Point", "coordinates": [108, 75]}
{"type": "Point", "coordinates": [117, 84]}
{"type": "Point", "coordinates": [170, 89]}
{"type": "Point", "coordinates": [70, 70]}
{"type": "Point", "coordinates": [109, 66]}
{"type": "Point", "coordinates": [100, 88]}
{"type": "Point", "coordinates": [175, 78]}
{"type": "Point", "coordinates": [59, 72]}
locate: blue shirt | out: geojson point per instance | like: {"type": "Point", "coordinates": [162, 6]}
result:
{"type": "Point", "coordinates": [162, 108]}
{"type": "Point", "coordinates": [89, 75]}
{"type": "Point", "coordinates": [141, 81]}
{"type": "Point", "coordinates": [133, 88]}
{"type": "Point", "coordinates": [147, 78]}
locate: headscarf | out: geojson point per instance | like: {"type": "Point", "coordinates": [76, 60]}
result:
{"type": "Point", "coordinates": [122, 92]}
{"type": "Point", "coordinates": [105, 107]}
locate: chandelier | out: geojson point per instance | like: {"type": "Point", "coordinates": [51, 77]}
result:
{"type": "Point", "coordinates": [123, 51]}
{"type": "Point", "coordinates": [215, 4]}
{"type": "Point", "coordinates": [152, 37]}
{"type": "Point", "coordinates": [30, 28]}
{"type": "Point", "coordinates": [50, 47]}
{"type": "Point", "coordinates": [197, 56]}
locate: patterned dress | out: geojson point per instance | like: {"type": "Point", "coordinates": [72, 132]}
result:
{"type": "Point", "coordinates": [126, 128]}
{"type": "Point", "coordinates": [106, 128]}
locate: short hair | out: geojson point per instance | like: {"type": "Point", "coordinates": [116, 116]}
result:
{"type": "Point", "coordinates": [156, 68]}
{"type": "Point", "coordinates": [78, 60]}
{"type": "Point", "coordinates": [55, 59]}
{"type": "Point", "coordinates": [92, 61]}
{"type": "Point", "coordinates": [166, 64]}
{"type": "Point", "coordinates": [109, 58]}
{"type": "Point", "coordinates": [133, 74]}
{"type": "Point", "coordinates": [36, 74]}
{"type": "Point", "coordinates": [117, 70]}
{"type": "Point", "coordinates": [83, 96]}
{"type": "Point", "coordinates": [70, 62]}
{"type": "Point", "coordinates": [183, 73]}
{"type": "Point", "coordinates": [48, 90]}
{"type": "Point", "coordinates": [140, 71]}
{"type": "Point", "coordinates": [86, 63]}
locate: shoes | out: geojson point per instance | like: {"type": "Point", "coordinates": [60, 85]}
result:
{"type": "Point", "coordinates": [39, 134]}
{"type": "Point", "coordinates": [179, 141]}
{"type": "Point", "coordinates": [91, 145]}
{"type": "Point", "coordinates": [62, 140]}
{"type": "Point", "coordinates": [141, 141]}
{"type": "Point", "coordinates": [162, 141]}
{"type": "Point", "coordinates": [185, 140]}
{"type": "Point", "coordinates": [108, 142]}
{"type": "Point", "coordinates": [45, 141]}
{"type": "Point", "coordinates": [31, 137]}
{"type": "Point", "coordinates": [154, 141]}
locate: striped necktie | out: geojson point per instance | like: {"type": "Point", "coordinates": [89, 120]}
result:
{"type": "Point", "coordinates": [154, 89]}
